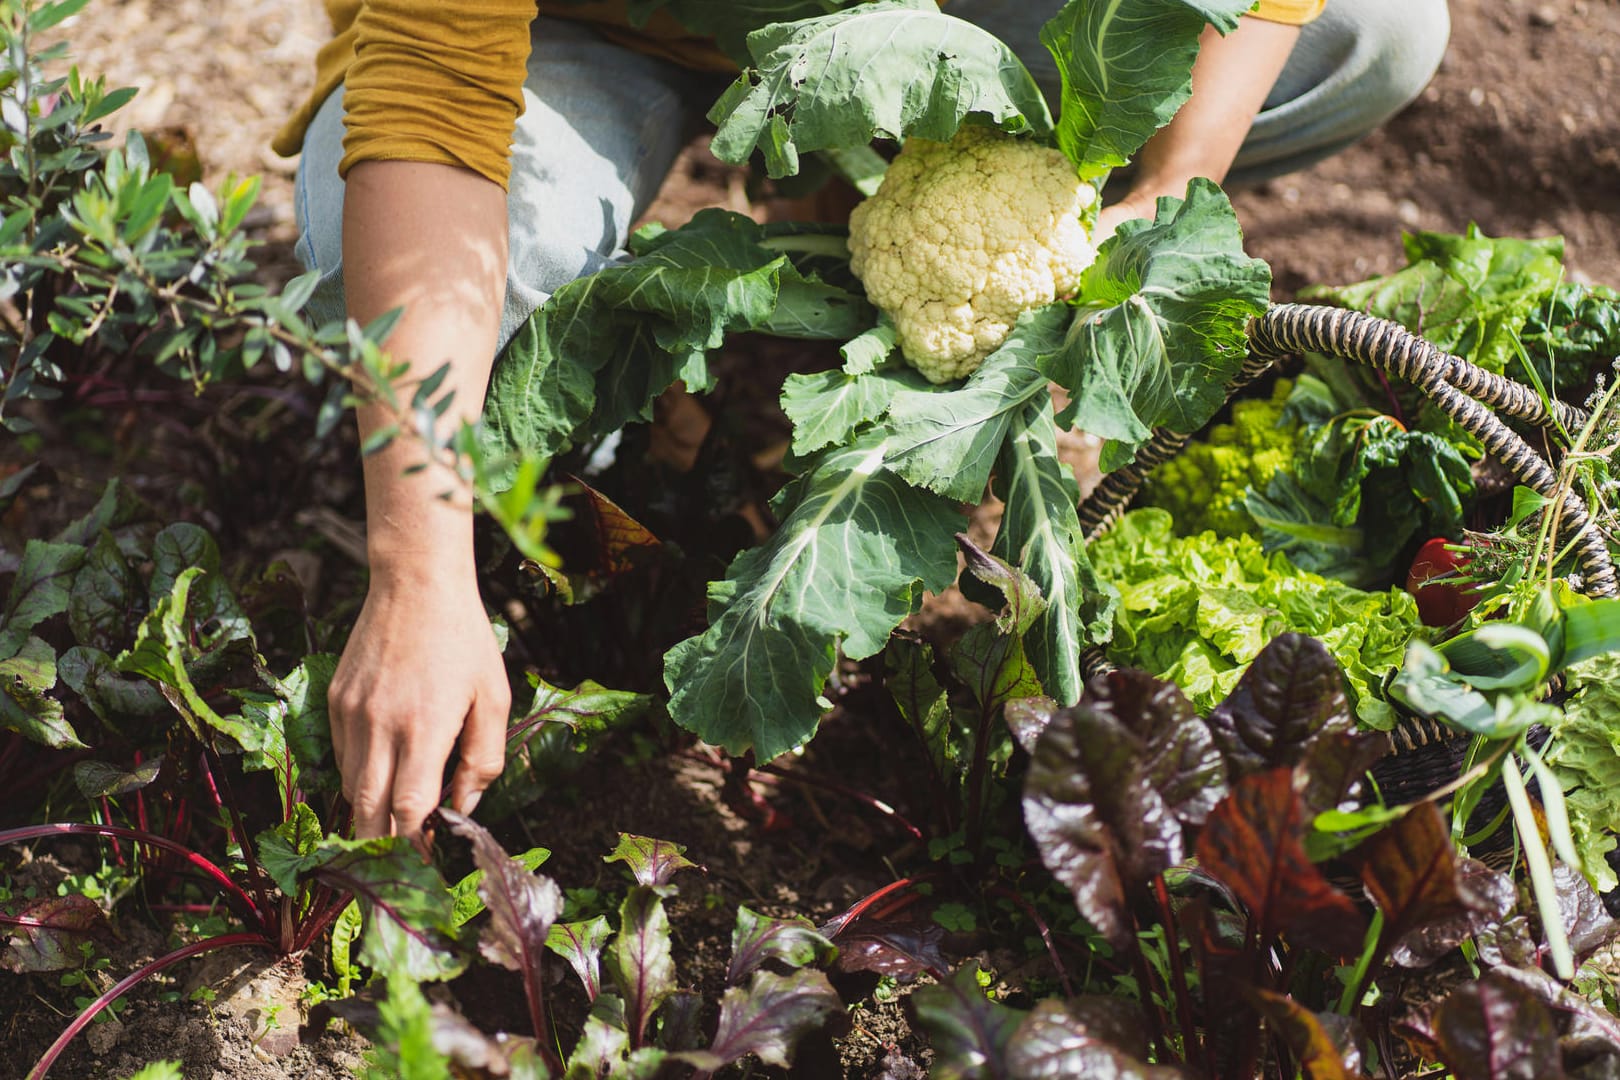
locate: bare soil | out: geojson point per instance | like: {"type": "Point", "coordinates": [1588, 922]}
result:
{"type": "Point", "coordinates": [1519, 132]}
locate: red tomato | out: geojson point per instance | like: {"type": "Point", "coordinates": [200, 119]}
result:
{"type": "Point", "coordinates": [1441, 600]}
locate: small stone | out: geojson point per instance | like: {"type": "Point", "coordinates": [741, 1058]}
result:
{"type": "Point", "coordinates": [103, 1037]}
{"type": "Point", "coordinates": [1476, 97]}
{"type": "Point", "coordinates": [1408, 212]}
{"type": "Point", "coordinates": [1544, 17]}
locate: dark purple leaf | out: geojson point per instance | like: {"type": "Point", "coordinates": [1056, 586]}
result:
{"type": "Point", "coordinates": [1332, 769]}
{"type": "Point", "coordinates": [1292, 694]}
{"type": "Point", "coordinates": [900, 941]}
{"type": "Point", "coordinates": [1586, 920]}
{"type": "Point", "coordinates": [1587, 1032]}
{"type": "Point", "coordinates": [1488, 898]}
{"type": "Point", "coordinates": [1110, 784]}
{"type": "Point", "coordinates": [969, 1033]}
{"type": "Point", "coordinates": [108, 600]}
{"type": "Point", "coordinates": [680, 1021]}
{"type": "Point", "coordinates": [1254, 843]}
{"type": "Point", "coordinates": [1497, 1029]}
{"type": "Point", "coordinates": [1063, 1040]}
{"type": "Point", "coordinates": [758, 938]}
{"type": "Point", "coordinates": [580, 943]}
{"type": "Point", "coordinates": [653, 862]}
{"type": "Point", "coordinates": [46, 934]}
{"type": "Point", "coordinates": [1027, 718]}
{"type": "Point", "coordinates": [640, 960]}
{"type": "Point", "coordinates": [1509, 944]}
{"type": "Point", "coordinates": [993, 667]}
{"type": "Point", "coordinates": [1320, 1053]}
{"type": "Point", "coordinates": [522, 904]}
{"type": "Point", "coordinates": [1410, 871]}
{"type": "Point", "coordinates": [768, 1018]}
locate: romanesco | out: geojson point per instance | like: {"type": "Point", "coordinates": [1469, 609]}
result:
{"type": "Point", "coordinates": [963, 237]}
{"type": "Point", "coordinates": [1203, 486]}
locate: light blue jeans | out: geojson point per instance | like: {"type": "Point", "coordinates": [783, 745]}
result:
{"type": "Point", "coordinates": [602, 125]}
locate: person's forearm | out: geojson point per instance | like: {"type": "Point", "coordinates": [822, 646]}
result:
{"type": "Point", "coordinates": [1230, 81]}
{"type": "Point", "coordinates": [430, 239]}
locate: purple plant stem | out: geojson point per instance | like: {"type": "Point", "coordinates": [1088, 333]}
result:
{"type": "Point", "coordinates": [119, 989]}
{"type": "Point", "coordinates": [220, 877]}
{"type": "Point", "coordinates": [1045, 931]}
{"type": "Point", "coordinates": [244, 840]}
{"type": "Point", "coordinates": [874, 803]}
{"type": "Point", "coordinates": [1190, 1041]}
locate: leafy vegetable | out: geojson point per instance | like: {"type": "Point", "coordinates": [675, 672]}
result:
{"type": "Point", "coordinates": [1196, 610]}
{"type": "Point", "coordinates": [1584, 754]}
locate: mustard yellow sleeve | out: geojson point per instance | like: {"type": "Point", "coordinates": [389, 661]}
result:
{"type": "Point", "coordinates": [438, 81]}
{"type": "Point", "coordinates": [1294, 12]}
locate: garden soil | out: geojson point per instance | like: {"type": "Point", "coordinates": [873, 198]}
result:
{"type": "Point", "coordinates": [1519, 132]}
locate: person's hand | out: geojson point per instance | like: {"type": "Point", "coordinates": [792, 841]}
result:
{"type": "Point", "coordinates": [1135, 205]}
{"type": "Point", "coordinates": [421, 672]}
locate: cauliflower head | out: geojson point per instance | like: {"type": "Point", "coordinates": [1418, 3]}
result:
{"type": "Point", "coordinates": [962, 237]}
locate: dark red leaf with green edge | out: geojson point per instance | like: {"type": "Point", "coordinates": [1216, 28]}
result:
{"type": "Point", "coordinates": [1061, 1040]}
{"type": "Point", "coordinates": [1488, 897]}
{"type": "Point", "coordinates": [1410, 871]}
{"type": "Point", "coordinates": [1588, 1032]}
{"type": "Point", "coordinates": [1254, 843]}
{"type": "Point", "coordinates": [1497, 1029]}
{"type": "Point", "coordinates": [653, 862]}
{"type": "Point", "coordinates": [758, 938]}
{"type": "Point", "coordinates": [46, 934]}
{"type": "Point", "coordinates": [768, 1018]}
{"type": "Point", "coordinates": [640, 960]}
{"type": "Point", "coordinates": [1110, 784]}
{"type": "Point", "coordinates": [1291, 694]}
{"type": "Point", "coordinates": [580, 943]}
{"type": "Point", "coordinates": [1320, 1053]}
{"type": "Point", "coordinates": [969, 1032]}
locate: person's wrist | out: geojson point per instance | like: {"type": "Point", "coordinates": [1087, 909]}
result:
{"type": "Point", "coordinates": [432, 567]}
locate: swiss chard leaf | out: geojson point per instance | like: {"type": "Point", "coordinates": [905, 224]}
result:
{"type": "Point", "coordinates": [654, 863]}
{"type": "Point", "coordinates": [1126, 69]}
{"type": "Point", "coordinates": [108, 599]}
{"type": "Point", "coordinates": [1162, 325]}
{"type": "Point", "coordinates": [1111, 783]}
{"type": "Point", "coordinates": [42, 588]}
{"type": "Point", "coordinates": [580, 943]}
{"type": "Point", "coordinates": [1291, 695]}
{"type": "Point", "coordinates": [522, 904]}
{"type": "Point", "coordinates": [843, 568]}
{"type": "Point", "coordinates": [768, 1018]}
{"type": "Point", "coordinates": [640, 960]}
{"type": "Point", "coordinates": [970, 1034]}
{"type": "Point", "coordinates": [1086, 1036]}
{"type": "Point", "coordinates": [1319, 1054]}
{"type": "Point", "coordinates": [407, 909]}
{"type": "Point", "coordinates": [1496, 1029]}
{"type": "Point", "coordinates": [109, 693]}
{"type": "Point", "coordinates": [1410, 870]}
{"type": "Point", "coordinates": [1254, 844]}
{"type": "Point", "coordinates": [890, 68]}
{"type": "Point", "coordinates": [52, 936]}
{"type": "Point", "coordinates": [26, 706]}
{"type": "Point", "coordinates": [758, 938]}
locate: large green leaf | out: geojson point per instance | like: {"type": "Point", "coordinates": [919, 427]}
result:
{"type": "Point", "coordinates": [844, 567]}
{"type": "Point", "coordinates": [891, 69]}
{"type": "Point", "coordinates": [947, 440]}
{"type": "Point", "coordinates": [1040, 534]}
{"type": "Point", "coordinates": [598, 352]}
{"type": "Point", "coordinates": [1162, 326]}
{"type": "Point", "coordinates": [828, 407]}
{"type": "Point", "coordinates": [1126, 69]}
